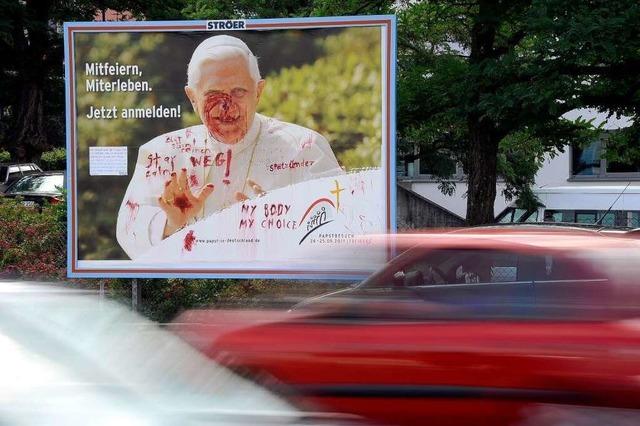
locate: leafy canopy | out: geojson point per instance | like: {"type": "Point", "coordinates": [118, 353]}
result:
{"type": "Point", "coordinates": [515, 67]}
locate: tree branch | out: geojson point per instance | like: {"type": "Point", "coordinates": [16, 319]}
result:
{"type": "Point", "coordinates": [511, 42]}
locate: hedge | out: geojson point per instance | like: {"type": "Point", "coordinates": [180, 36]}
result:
{"type": "Point", "coordinates": [32, 243]}
{"type": "Point", "coordinates": [54, 160]}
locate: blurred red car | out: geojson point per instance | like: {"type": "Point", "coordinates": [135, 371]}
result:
{"type": "Point", "coordinates": [494, 326]}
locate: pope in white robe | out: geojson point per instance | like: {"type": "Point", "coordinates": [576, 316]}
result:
{"type": "Point", "coordinates": [185, 175]}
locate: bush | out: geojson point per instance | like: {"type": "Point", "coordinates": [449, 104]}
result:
{"type": "Point", "coordinates": [32, 243]}
{"type": "Point", "coordinates": [4, 156]}
{"type": "Point", "coordinates": [54, 160]}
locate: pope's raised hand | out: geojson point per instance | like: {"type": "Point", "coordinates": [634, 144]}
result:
{"type": "Point", "coordinates": [179, 203]}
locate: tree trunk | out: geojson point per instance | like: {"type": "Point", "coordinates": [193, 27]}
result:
{"type": "Point", "coordinates": [482, 155]}
{"type": "Point", "coordinates": [482, 170]}
{"type": "Point", "coordinates": [29, 134]}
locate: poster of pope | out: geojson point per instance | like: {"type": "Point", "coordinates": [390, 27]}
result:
{"type": "Point", "coordinates": [229, 153]}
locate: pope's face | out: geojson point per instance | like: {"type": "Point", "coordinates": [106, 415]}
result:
{"type": "Point", "coordinates": [226, 98]}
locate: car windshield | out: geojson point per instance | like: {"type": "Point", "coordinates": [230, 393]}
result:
{"type": "Point", "coordinates": [42, 183]}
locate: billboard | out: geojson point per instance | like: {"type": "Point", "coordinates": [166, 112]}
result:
{"type": "Point", "coordinates": [241, 148]}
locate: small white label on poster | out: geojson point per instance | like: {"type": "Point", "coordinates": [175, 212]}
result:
{"type": "Point", "coordinates": [108, 160]}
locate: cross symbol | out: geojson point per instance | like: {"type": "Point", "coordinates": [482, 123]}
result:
{"type": "Point", "coordinates": [337, 192]}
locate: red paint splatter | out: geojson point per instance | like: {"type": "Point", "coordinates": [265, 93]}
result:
{"type": "Point", "coordinates": [132, 205]}
{"type": "Point", "coordinates": [182, 202]}
{"type": "Point", "coordinates": [226, 181]}
{"type": "Point", "coordinates": [220, 112]}
{"type": "Point", "coordinates": [193, 180]}
{"type": "Point", "coordinates": [189, 241]}
{"type": "Point", "coordinates": [228, 168]}
{"type": "Point", "coordinates": [133, 212]}
{"type": "Point", "coordinates": [308, 143]}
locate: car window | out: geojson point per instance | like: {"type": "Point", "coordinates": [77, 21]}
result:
{"type": "Point", "coordinates": [533, 217]}
{"type": "Point", "coordinates": [46, 183]}
{"type": "Point", "coordinates": [14, 169]}
{"type": "Point", "coordinates": [538, 285]}
{"type": "Point", "coordinates": [26, 168]}
{"type": "Point", "coordinates": [515, 215]}
{"type": "Point", "coordinates": [465, 267]}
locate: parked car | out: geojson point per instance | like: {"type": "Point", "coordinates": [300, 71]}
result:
{"type": "Point", "coordinates": [71, 358]}
{"type": "Point", "coordinates": [37, 189]}
{"type": "Point", "coordinates": [11, 172]}
{"type": "Point", "coordinates": [497, 326]}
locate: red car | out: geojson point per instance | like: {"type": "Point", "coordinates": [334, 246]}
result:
{"type": "Point", "coordinates": [495, 326]}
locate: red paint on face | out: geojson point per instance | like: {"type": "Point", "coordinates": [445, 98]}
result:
{"type": "Point", "coordinates": [193, 180]}
{"type": "Point", "coordinates": [182, 202]}
{"type": "Point", "coordinates": [220, 110]}
{"type": "Point", "coordinates": [189, 241]}
{"type": "Point", "coordinates": [224, 117]}
{"type": "Point", "coordinates": [226, 181]}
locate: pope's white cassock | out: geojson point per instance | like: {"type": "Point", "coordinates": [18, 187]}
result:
{"type": "Point", "coordinates": [273, 154]}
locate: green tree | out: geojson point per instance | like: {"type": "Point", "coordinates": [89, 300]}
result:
{"type": "Point", "coordinates": [487, 82]}
{"type": "Point", "coordinates": [247, 9]}
{"type": "Point", "coordinates": [32, 69]}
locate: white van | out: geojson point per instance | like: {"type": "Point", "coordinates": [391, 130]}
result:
{"type": "Point", "coordinates": [607, 205]}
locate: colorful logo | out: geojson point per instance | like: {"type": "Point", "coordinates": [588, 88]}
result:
{"type": "Point", "coordinates": [318, 214]}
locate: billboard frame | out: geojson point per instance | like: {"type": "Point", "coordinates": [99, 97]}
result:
{"type": "Point", "coordinates": [388, 51]}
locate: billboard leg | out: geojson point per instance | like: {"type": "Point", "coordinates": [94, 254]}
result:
{"type": "Point", "coordinates": [135, 295]}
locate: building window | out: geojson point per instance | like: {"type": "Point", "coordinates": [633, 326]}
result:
{"type": "Point", "coordinates": [587, 163]}
{"type": "Point", "coordinates": [619, 218]}
{"type": "Point", "coordinates": [425, 166]}
{"type": "Point", "coordinates": [401, 168]}
{"type": "Point", "coordinates": [613, 167]}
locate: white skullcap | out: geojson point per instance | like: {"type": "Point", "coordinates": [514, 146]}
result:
{"type": "Point", "coordinates": [220, 47]}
